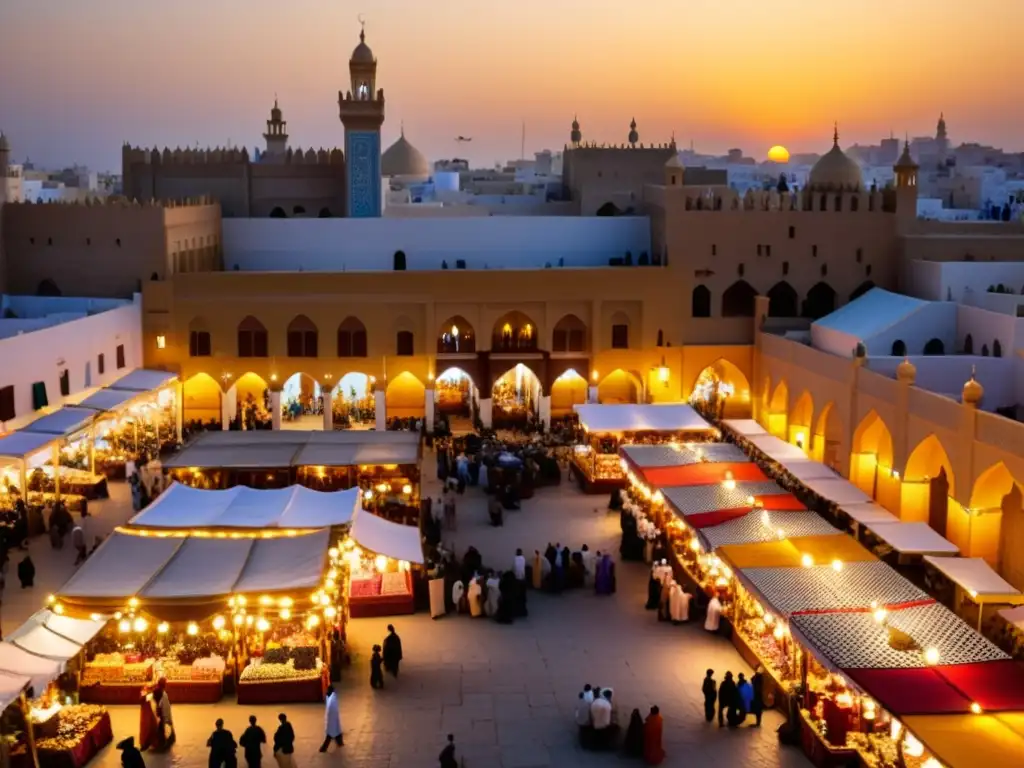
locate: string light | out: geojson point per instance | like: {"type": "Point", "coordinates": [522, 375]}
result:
{"type": "Point", "coordinates": [285, 602]}
{"type": "Point", "coordinates": [931, 656]}
{"type": "Point", "coordinates": [266, 600]}
{"type": "Point", "coordinates": [880, 614]}
{"type": "Point", "coordinates": [285, 614]}
{"type": "Point", "coordinates": [976, 708]}
{"type": "Point", "coordinates": [163, 627]}
{"type": "Point", "coordinates": [312, 621]}
{"type": "Point", "coordinates": [124, 626]}
{"type": "Point", "coordinates": [237, 619]}
{"type": "Point", "coordinates": [58, 609]}
{"type": "Point", "coordinates": [218, 623]}
{"type": "Point", "coordinates": [806, 560]}
{"type": "Point", "coordinates": [262, 625]}
{"type": "Point", "coordinates": [837, 565]}
{"type": "Point", "coordinates": [330, 611]}
{"type": "Point", "coordinates": [192, 629]}
{"type": "Point", "coordinates": [140, 625]}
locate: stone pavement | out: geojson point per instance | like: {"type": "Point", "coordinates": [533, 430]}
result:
{"type": "Point", "coordinates": [506, 692]}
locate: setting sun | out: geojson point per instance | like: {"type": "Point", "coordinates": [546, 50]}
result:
{"type": "Point", "coordinates": [778, 154]}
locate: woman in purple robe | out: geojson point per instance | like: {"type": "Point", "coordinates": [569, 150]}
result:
{"type": "Point", "coordinates": [604, 580]}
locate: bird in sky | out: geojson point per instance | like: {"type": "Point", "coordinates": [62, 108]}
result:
{"type": "Point", "coordinates": [463, 138]}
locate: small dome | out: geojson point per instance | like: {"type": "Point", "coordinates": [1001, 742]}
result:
{"type": "Point", "coordinates": [675, 162]}
{"type": "Point", "coordinates": [634, 137]}
{"type": "Point", "coordinates": [575, 136]}
{"type": "Point", "coordinates": [403, 159]}
{"type": "Point", "coordinates": [906, 371]}
{"type": "Point", "coordinates": [973, 391]}
{"type": "Point", "coordinates": [362, 53]}
{"type": "Point", "coordinates": [906, 161]}
{"type": "Point", "coordinates": [835, 170]}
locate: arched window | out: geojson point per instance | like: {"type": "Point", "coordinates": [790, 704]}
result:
{"type": "Point", "coordinates": [399, 261]}
{"type": "Point", "coordinates": [934, 347]}
{"type": "Point", "coordinates": [570, 335]}
{"type": "Point", "coordinates": [821, 301]}
{"type": "Point", "coordinates": [252, 338]}
{"type": "Point", "coordinates": [48, 288]}
{"type": "Point", "coordinates": [351, 338]}
{"type": "Point", "coordinates": [899, 348]}
{"type": "Point", "coordinates": [854, 203]}
{"type": "Point", "coordinates": [302, 337]}
{"type": "Point", "coordinates": [404, 344]}
{"type": "Point", "coordinates": [325, 213]}
{"type": "Point", "coordinates": [199, 338]}
{"type": "Point", "coordinates": [738, 300]}
{"type": "Point", "coordinates": [782, 300]}
{"type": "Point", "coordinates": [278, 213]}
{"type": "Point", "coordinates": [620, 331]}
{"type": "Point", "coordinates": [456, 336]}
{"type": "Point", "coordinates": [514, 332]}
{"type": "Point", "coordinates": [968, 344]}
{"type": "Point", "coordinates": [700, 302]}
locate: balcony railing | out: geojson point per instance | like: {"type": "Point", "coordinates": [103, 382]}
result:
{"type": "Point", "coordinates": [452, 346]}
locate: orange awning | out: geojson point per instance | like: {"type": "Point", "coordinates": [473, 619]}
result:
{"type": "Point", "coordinates": [705, 473]}
{"type": "Point", "coordinates": [967, 741]}
{"type": "Point", "coordinates": [788, 553]}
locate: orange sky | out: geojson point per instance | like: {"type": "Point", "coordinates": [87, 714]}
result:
{"type": "Point", "coordinates": [77, 78]}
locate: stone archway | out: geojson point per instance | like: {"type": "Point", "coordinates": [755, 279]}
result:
{"type": "Point", "coordinates": [928, 485]}
{"type": "Point", "coordinates": [405, 397]}
{"type": "Point", "coordinates": [723, 387]}
{"type": "Point", "coordinates": [800, 421]}
{"type": "Point", "coordinates": [778, 408]}
{"type": "Point", "coordinates": [828, 435]}
{"type": "Point", "coordinates": [568, 389]}
{"type": "Point", "coordinates": [620, 386]}
{"type": "Point", "coordinates": [201, 400]}
{"type": "Point", "coordinates": [515, 396]}
{"type": "Point", "coordinates": [871, 457]}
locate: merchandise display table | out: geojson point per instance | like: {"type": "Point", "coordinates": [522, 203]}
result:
{"type": "Point", "coordinates": [76, 756]}
{"type": "Point", "coordinates": [179, 692]}
{"type": "Point", "coordinates": [310, 689]}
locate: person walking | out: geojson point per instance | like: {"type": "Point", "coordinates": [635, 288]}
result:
{"type": "Point", "coordinates": [710, 691]}
{"type": "Point", "coordinates": [376, 674]}
{"type": "Point", "coordinates": [131, 757]}
{"type": "Point", "coordinates": [222, 747]}
{"type": "Point", "coordinates": [746, 699]}
{"type": "Point", "coordinates": [252, 742]}
{"type": "Point", "coordinates": [392, 651]}
{"type": "Point", "coordinates": [447, 757]}
{"type": "Point", "coordinates": [757, 704]}
{"type": "Point", "coordinates": [727, 696]}
{"type": "Point", "coordinates": [654, 752]}
{"type": "Point", "coordinates": [332, 721]}
{"type": "Point", "coordinates": [284, 743]}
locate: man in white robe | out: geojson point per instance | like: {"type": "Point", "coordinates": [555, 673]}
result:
{"type": "Point", "coordinates": [332, 721]}
{"type": "Point", "coordinates": [589, 563]}
{"type": "Point", "coordinates": [679, 604]}
{"type": "Point", "coordinates": [475, 593]}
{"type": "Point", "coordinates": [491, 606]}
{"type": "Point", "coordinates": [519, 566]}
{"type": "Point", "coordinates": [458, 594]}
{"type": "Point", "coordinates": [714, 615]}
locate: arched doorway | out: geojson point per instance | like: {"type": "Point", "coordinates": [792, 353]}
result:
{"type": "Point", "coordinates": [619, 386]}
{"type": "Point", "coordinates": [997, 522]}
{"type": "Point", "coordinates": [766, 399]}
{"type": "Point", "coordinates": [354, 402]}
{"type": "Point", "coordinates": [252, 399]}
{"type": "Point", "coordinates": [568, 390]}
{"type": "Point", "coordinates": [722, 390]}
{"type": "Point", "coordinates": [820, 301]}
{"type": "Point", "coordinates": [782, 300]}
{"type": "Point", "coordinates": [828, 434]}
{"type": "Point", "coordinates": [871, 462]}
{"type": "Point", "coordinates": [515, 397]}
{"type": "Point", "coordinates": [778, 408]}
{"type": "Point", "coordinates": [514, 332]}
{"type": "Point", "coordinates": [301, 403]}
{"type": "Point", "coordinates": [569, 335]}
{"type": "Point", "coordinates": [455, 397]}
{"type": "Point", "coordinates": [800, 420]}
{"type": "Point", "coordinates": [405, 398]}
{"type": "Point", "coordinates": [201, 402]}
{"type": "Point", "coordinates": [928, 485]}
{"type": "Point", "coordinates": [700, 301]}
{"type": "Point", "coordinates": [456, 336]}
{"type": "Point", "coordinates": [934, 347]}
{"type": "Point", "coordinates": [738, 300]}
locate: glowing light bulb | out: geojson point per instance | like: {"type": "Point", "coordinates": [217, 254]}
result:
{"type": "Point", "coordinates": [806, 560]}
{"type": "Point", "coordinates": [262, 625]}
{"type": "Point", "coordinates": [94, 616]}
{"type": "Point", "coordinates": [880, 614]}
{"type": "Point", "coordinates": [237, 619]}
{"type": "Point", "coordinates": [285, 602]}
{"type": "Point", "coordinates": [163, 628]}
{"type": "Point", "coordinates": [768, 619]}
{"type": "Point", "coordinates": [780, 533]}
{"type": "Point", "coordinates": [975, 707]}
{"type": "Point", "coordinates": [750, 501]}
{"type": "Point", "coordinates": [192, 629]}
{"type": "Point", "coordinates": [931, 656]}
{"type": "Point", "coordinates": [133, 602]}
{"type": "Point", "coordinates": [285, 614]}
{"type": "Point", "coordinates": [242, 600]}
{"type": "Point", "coordinates": [778, 633]}
{"type": "Point", "coordinates": [368, 495]}
{"type": "Point", "coordinates": [140, 625]}
{"type": "Point", "coordinates": [58, 609]}
{"type": "Point", "coordinates": [124, 626]}
{"type": "Point", "coordinates": [837, 565]}
{"type": "Point", "coordinates": [332, 552]}
{"type": "Point", "coordinates": [407, 489]}
{"type": "Point", "coordinates": [248, 621]}
{"type": "Point", "coordinates": [381, 562]}
{"type": "Point", "coordinates": [218, 623]}
{"type": "Point", "coordinates": [51, 599]}
{"type": "Point", "coordinates": [312, 621]}
{"type": "Point", "coordinates": [330, 611]}
{"type": "Point", "coordinates": [266, 600]}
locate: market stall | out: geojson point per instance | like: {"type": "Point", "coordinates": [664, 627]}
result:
{"type": "Point", "coordinates": [381, 556]}
{"type": "Point", "coordinates": [744, 427]}
{"type": "Point", "coordinates": [596, 460]}
{"type": "Point", "coordinates": [974, 585]}
{"type": "Point", "coordinates": [907, 542]}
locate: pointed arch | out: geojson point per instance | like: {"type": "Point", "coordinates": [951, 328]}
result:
{"type": "Point", "coordinates": [620, 331]}
{"type": "Point", "coordinates": [514, 332]}
{"type": "Point", "coordinates": [252, 338]}
{"type": "Point", "coordinates": [405, 395]}
{"type": "Point", "coordinates": [861, 289]}
{"type": "Point", "coordinates": [738, 300]}
{"type": "Point", "coordinates": [302, 337]}
{"type": "Point", "coordinates": [820, 301]}
{"type": "Point", "coordinates": [278, 213]}
{"type": "Point", "coordinates": [927, 493]}
{"type": "Point", "coordinates": [199, 339]}
{"type": "Point", "coordinates": [201, 398]}
{"type": "Point", "coordinates": [570, 335]}
{"type": "Point", "coordinates": [925, 462]}
{"type": "Point", "coordinates": [828, 434]}
{"type": "Point", "coordinates": [700, 301]}
{"type": "Point", "coordinates": [725, 387]}
{"type": "Point", "coordinates": [515, 395]}
{"type": "Point", "coordinates": [871, 457]}
{"type": "Point", "coordinates": [800, 421]}
{"type": "Point", "coordinates": [250, 397]}
{"type": "Point", "coordinates": [992, 486]}
{"type": "Point", "coordinates": [873, 437]}
{"type": "Point", "coordinates": [351, 338]}
{"type": "Point", "coordinates": [569, 389]}
{"type": "Point", "coordinates": [934, 347]}
{"type": "Point", "coordinates": [620, 386]}
{"type": "Point", "coordinates": [899, 348]}
{"type": "Point", "coordinates": [456, 335]}
{"type": "Point", "coordinates": [783, 300]}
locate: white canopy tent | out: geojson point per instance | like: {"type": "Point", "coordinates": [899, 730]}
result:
{"type": "Point", "coordinates": [184, 507]}
{"type": "Point", "coordinates": [869, 514]}
{"type": "Point", "coordinates": [144, 380]}
{"type": "Point", "coordinates": [18, 662]}
{"type": "Point", "coordinates": [79, 631]}
{"type": "Point", "coordinates": [806, 469]}
{"type": "Point", "coordinates": [744, 427]}
{"type": "Point", "coordinates": [640, 418]}
{"type": "Point", "coordinates": [776, 449]}
{"type": "Point", "coordinates": [914, 539]}
{"type": "Point", "coordinates": [978, 579]}
{"type": "Point", "coordinates": [1014, 616]}
{"type": "Point", "coordinates": [837, 490]}
{"type": "Point", "coordinates": [399, 542]}
{"type": "Point", "coordinates": [63, 422]}
{"type": "Point", "coordinates": [11, 687]}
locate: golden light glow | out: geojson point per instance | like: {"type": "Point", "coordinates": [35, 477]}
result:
{"type": "Point", "coordinates": [163, 628]}
{"type": "Point", "coordinates": [285, 602]}
{"type": "Point", "coordinates": [140, 625]}
{"type": "Point", "coordinates": [51, 599]}
{"type": "Point", "coordinates": [312, 621]}
{"type": "Point", "coordinates": [218, 623]}
{"type": "Point", "coordinates": [778, 154]}
{"type": "Point", "coordinates": [237, 619]}
{"type": "Point", "coordinates": [285, 614]}
{"type": "Point", "coordinates": [161, 342]}
{"type": "Point", "coordinates": [330, 611]}
{"type": "Point", "coordinates": [124, 626]}
{"type": "Point", "coordinates": [193, 629]}
{"type": "Point", "coordinates": [931, 656]}
{"type": "Point", "coordinates": [768, 619]}
{"type": "Point", "coordinates": [133, 602]}
{"type": "Point", "coordinates": [58, 609]}
{"type": "Point", "coordinates": [837, 565]}
{"type": "Point", "coordinates": [262, 625]}
{"type": "Point", "coordinates": [880, 614]}
{"type": "Point", "coordinates": [806, 560]}
{"type": "Point", "coordinates": [266, 600]}
{"type": "Point", "coordinates": [778, 633]}
{"type": "Point", "coordinates": [976, 708]}
{"type": "Point", "coordinates": [94, 616]}
{"type": "Point", "coordinates": [407, 489]}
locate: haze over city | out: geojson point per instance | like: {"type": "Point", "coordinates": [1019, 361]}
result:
{"type": "Point", "coordinates": [77, 79]}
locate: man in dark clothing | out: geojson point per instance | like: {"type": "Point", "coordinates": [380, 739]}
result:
{"type": "Point", "coordinates": [252, 742]}
{"type": "Point", "coordinates": [376, 675]}
{"type": "Point", "coordinates": [284, 742]}
{"type": "Point", "coordinates": [26, 572]}
{"type": "Point", "coordinates": [757, 705]}
{"type": "Point", "coordinates": [727, 696]}
{"type": "Point", "coordinates": [222, 747]}
{"type": "Point", "coordinates": [710, 691]}
{"type": "Point", "coordinates": [447, 756]}
{"type": "Point", "coordinates": [131, 757]}
{"type": "Point", "coordinates": [392, 651]}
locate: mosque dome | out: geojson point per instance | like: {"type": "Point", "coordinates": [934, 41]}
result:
{"type": "Point", "coordinates": [362, 53]}
{"type": "Point", "coordinates": [973, 391]}
{"type": "Point", "coordinates": [575, 136]}
{"type": "Point", "coordinates": [403, 159]}
{"type": "Point", "coordinates": [675, 162]}
{"type": "Point", "coordinates": [634, 137]}
{"type": "Point", "coordinates": [906, 371]}
{"type": "Point", "coordinates": [906, 161]}
{"type": "Point", "coordinates": [835, 170]}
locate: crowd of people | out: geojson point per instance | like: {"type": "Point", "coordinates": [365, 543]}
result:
{"type": "Point", "coordinates": [598, 723]}
{"type": "Point", "coordinates": [734, 700]}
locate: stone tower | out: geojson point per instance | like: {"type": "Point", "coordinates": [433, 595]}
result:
{"type": "Point", "coordinates": [942, 139]}
{"type": "Point", "coordinates": [906, 187]}
{"type": "Point", "coordinates": [277, 132]}
{"type": "Point", "coordinates": [362, 113]}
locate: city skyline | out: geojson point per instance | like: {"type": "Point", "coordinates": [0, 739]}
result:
{"type": "Point", "coordinates": [747, 77]}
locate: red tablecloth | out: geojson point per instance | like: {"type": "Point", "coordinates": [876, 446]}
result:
{"type": "Point", "coordinates": [283, 691]}
{"type": "Point", "coordinates": [381, 605]}
{"type": "Point", "coordinates": [92, 742]}
{"type": "Point", "coordinates": [179, 692]}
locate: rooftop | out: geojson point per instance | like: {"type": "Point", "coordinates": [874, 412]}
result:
{"type": "Point", "coordinates": [24, 314]}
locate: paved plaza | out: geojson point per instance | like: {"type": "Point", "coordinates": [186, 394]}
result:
{"type": "Point", "coordinates": [506, 692]}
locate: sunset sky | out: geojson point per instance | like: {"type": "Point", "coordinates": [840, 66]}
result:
{"type": "Point", "coordinates": [78, 77]}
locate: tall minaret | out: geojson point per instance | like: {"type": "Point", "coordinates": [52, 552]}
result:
{"type": "Point", "coordinates": [942, 139]}
{"type": "Point", "coordinates": [277, 132]}
{"type": "Point", "coordinates": [906, 186]}
{"type": "Point", "coordinates": [362, 113]}
{"type": "Point", "coordinates": [5, 164]}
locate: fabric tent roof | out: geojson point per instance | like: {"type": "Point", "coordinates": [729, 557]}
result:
{"type": "Point", "coordinates": [18, 662]}
{"type": "Point", "coordinates": [789, 552]}
{"type": "Point", "coordinates": [837, 490]}
{"type": "Point", "coordinates": [143, 380]}
{"type": "Point", "coordinates": [399, 542]}
{"type": "Point", "coordinates": [42, 642]}
{"type": "Point", "coordinates": [681, 454]}
{"type": "Point", "coordinates": [807, 469]}
{"type": "Point", "coordinates": [998, 686]}
{"type": "Point", "coordinates": [239, 457]}
{"type": "Point", "coordinates": [915, 691]}
{"type": "Point", "coordinates": [109, 399]}
{"type": "Point", "coordinates": [11, 686]}
{"type": "Point", "coordinates": [914, 539]}
{"type": "Point", "coordinates": [994, 741]}
{"type": "Point", "coordinates": [292, 562]}
{"type": "Point", "coordinates": [977, 577]}
{"type": "Point", "coordinates": [695, 499]}
{"type": "Point", "coordinates": [63, 422]}
{"type": "Point", "coordinates": [121, 567]}
{"type": "Point", "coordinates": [745, 427]}
{"type": "Point", "coordinates": [201, 568]}
{"type": "Point", "coordinates": [751, 528]}
{"type": "Point", "coordinates": [640, 418]}
{"type": "Point", "coordinates": [871, 313]}
{"type": "Point", "coordinates": [776, 449]}
{"type": "Point", "coordinates": [80, 631]}
{"type": "Point", "coordinates": [330, 455]}
{"type": "Point", "coordinates": [703, 474]}
{"type": "Point", "coordinates": [183, 507]}
{"type": "Point", "coordinates": [19, 445]}
{"type": "Point", "coordinates": [869, 513]}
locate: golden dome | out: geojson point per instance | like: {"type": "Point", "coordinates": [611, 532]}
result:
{"type": "Point", "coordinates": [973, 391]}
{"type": "Point", "coordinates": [403, 159]}
{"type": "Point", "coordinates": [906, 371]}
{"type": "Point", "coordinates": [362, 53]}
{"type": "Point", "coordinates": [835, 170]}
